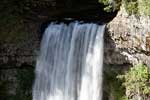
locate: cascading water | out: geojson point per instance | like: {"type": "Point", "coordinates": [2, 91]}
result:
{"type": "Point", "coordinates": [69, 66]}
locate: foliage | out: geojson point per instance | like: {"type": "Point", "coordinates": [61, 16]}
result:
{"type": "Point", "coordinates": [111, 5]}
{"type": "Point", "coordinates": [25, 80]}
{"type": "Point", "coordinates": [131, 6]}
{"type": "Point", "coordinates": [137, 82]}
{"type": "Point", "coordinates": [138, 7]}
{"type": "Point", "coordinates": [113, 87]}
{"type": "Point", "coordinates": [144, 7]}
{"type": "Point", "coordinates": [20, 88]}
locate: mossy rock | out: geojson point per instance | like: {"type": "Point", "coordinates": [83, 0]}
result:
{"type": "Point", "coordinates": [113, 88]}
{"type": "Point", "coordinates": [21, 84]}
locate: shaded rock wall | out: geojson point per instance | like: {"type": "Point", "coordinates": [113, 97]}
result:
{"type": "Point", "coordinates": [17, 63]}
{"type": "Point", "coordinates": [20, 39]}
{"type": "Point", "coordinates": [23, 50]}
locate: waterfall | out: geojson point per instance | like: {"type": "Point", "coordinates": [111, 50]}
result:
{"type": "Point", "coordinates": [70, 63]}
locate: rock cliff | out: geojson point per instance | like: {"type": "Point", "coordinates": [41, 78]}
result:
{"type": "Point", "coordinates": [127, 41]}
{"type": "Point", "coordinates": [131, 37]}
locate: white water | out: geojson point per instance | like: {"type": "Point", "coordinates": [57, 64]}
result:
{"type": "Point", "coordinates": [70, 63]}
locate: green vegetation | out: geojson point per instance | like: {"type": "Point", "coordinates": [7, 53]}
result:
{"type": "Point", "coordinates": [137, 7]}
{"type": "Point", "coordinates": [20, 88]}
{"type": "Point", "coordinates": [112, 86]}
{"type": "Point", "coordinates": [134, 84]}
{"type": "Point", "coordinates": [144, 7]}
{"type": "Point", "coordinates": [25, 80]}
{"type": "Point", "coordinates": [141, 7]}
{"type": "Point", "coordinates": [131, 6]}
{"type": "Point", "coordinates": [111, 5]}
{"type": "Point", "coordinates": [137, 82]}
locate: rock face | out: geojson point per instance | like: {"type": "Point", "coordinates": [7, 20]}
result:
{"type": "Point", "coordinates": [20, 42]}
{"type": "Point", "coordinates": [17, 61]}
{"type": "Point", "coordinates": [131, 37]}
{"type": "Point", "coordinates": [127, 41]}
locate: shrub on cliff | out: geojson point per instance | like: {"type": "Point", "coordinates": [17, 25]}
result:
{"type": "Point", "coordinates": [138, 7]}
{"type": "Point", "coordinates": [137, 82]}
{"type": "Point", "coordinates": [131, 6]}
{"type": "Point", "coordinates": [111, 5]}
{"type": "Point", "coordinates": [144, 7]}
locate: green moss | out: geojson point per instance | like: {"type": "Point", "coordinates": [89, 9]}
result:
{"type": "Point", "coordinates": [25, 80]}
{"type": "Point", "coordinates": [20, 82]}
{"type": "Point", "coordinates": [4, 89]}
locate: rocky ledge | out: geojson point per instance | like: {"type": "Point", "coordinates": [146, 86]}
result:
{"type": "Point", "coordinates": [130, 37]}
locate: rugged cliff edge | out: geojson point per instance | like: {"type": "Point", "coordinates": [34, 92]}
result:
{"type": "Point", "coordinates": [131, 37]}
